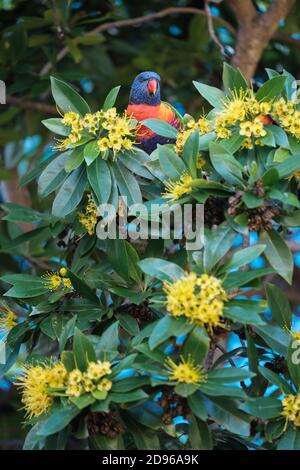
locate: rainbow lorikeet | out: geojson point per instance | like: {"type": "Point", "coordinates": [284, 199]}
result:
{"type": "Point", "coordinates": [145, 103]}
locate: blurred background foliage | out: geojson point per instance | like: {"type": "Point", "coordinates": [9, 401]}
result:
{"type": "Point", "coordinates": [98, 44]}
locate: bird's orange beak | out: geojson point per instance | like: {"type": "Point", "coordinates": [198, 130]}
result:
{"type": "Point", "coordinates": [152, 86]}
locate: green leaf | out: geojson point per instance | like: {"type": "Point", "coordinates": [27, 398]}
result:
{"type": "Point", "coordinates": [240, 278]}
{"type": "Point", "coordinates": [262, 407]}
{"type": "Point", "coordinates": [225, 164]}
{"type": "Point", "coordinates": [24, 285]}
{"type": "Point", "coordinates": [191, 152]}
{"type": "Point", "coordinates": [289, 166]}
{"type": "Point", "coordinates": [217, 243]}
{"type": "Point", "coordinates": [67, 99]}
{"type": "Point", "coordinates": [100, 180]}
{"type": "Point", "coordinates": [83, 401]}
{"type": "Point", "coordinates": [55, 125]}
{"type": "Point", "coordinates": [197, 405]}
{"type": "Point", "coordinates": [185, 390]}
{"type": "Point", "coordinates": [271, 89]}
{"type": "Point", "coordinates": [111, 98]}
{"type": "Point", "coordinates": [70, 193]}
{"type": "Point", "coordinates": [290, 439]}
{"type": "Point", "coordinates": [196, 345]}
{"type": "Point", "coordinates": [200, 435]}
{"type": "Point", "coordinates": [134, 395]}
{"type": "Point", "coordinates": [166, 327]}
{"type": "Point", "coordinates": [91, 152]}
{"type": "Point", "coordinates": [67, 332]}
{"type": "Point", "coordinates": [160, 127]}
{"type": "Point", "coordinates": [136, 161]}
{"type": "Point", "coordinates": [171, 164]}
{"type": "Point", "coordinates": [118, 256]}
{"type": "Point", "coordinates": [161, 269]}
{"type": "Point", "coordinates": [83, 350]}
{"type": "Point", "coordinates": [83, 289]}
{"type": "Point", "coordinates": [109, 341]}
{"type": "Point", "coordinates": [74, 160]}
{"type": "Point", "coordinates": [243, 257]}
{"type": "Point", "coordinates": [275, 379]}
{"type": "Point", "coordinates": [213, 95]}
{"type": "Point", "coordinates": [278, 254]}
{"type": "Point", "coordinates": [225, 412]}
{"type": "Point", "coordinates": [279, 306]}
{"type": "Point", "coordinates": [53, 175]}
{"type": "Point", "coordinates": [128, 323]}
{"type": "Point", "coordinates": [233, 79]}
{"type": "Point", "coordinates": [127, 184]}
{"type": "Point", "coordinates": [276, 338]}
{"type": "Point", "coordinates": [229, 375]}
{"type": "Point", "coordinates": [58, 420]}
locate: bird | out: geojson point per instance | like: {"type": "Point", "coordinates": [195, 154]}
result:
{"type": "Point", "coordinates": [144, 103]}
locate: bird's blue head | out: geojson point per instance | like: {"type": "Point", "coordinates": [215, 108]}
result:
{"type": "Point", "coordinates": [145, 89]}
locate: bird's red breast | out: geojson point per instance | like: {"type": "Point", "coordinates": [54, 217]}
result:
{"type": "Point", "coordinates": [140, 112]}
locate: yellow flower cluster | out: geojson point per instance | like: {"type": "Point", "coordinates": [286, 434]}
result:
{"type": "Point", "coordinates": [91, 380]}
{"type": "Point", "coordinates": [35, 384]}
{"type": "Point", "coordinates": [89, 218]}
{"type": "Point", "coordinates": [203, 125]}
{"type": "Point", "coordinates": [119, 130]}
{"type": "Point", "coordinates": [8, 319]}
{"type": "Point", "coordinates": [286, 114]}
{"type": "Point", "coordinates": [38, 382]}
{"type": "Point", "coordinates": [199, 298]}
{"type": "Point", "coordinates": [185, 371]}
{"type": "Point", "coordinates": [57, 280]}
{"type": "Point", "coordinates": [242, 109]}
{"type": "Point", "coordinates": [291, 409]}
{"type": "Point", "coordinates": [176, 189]}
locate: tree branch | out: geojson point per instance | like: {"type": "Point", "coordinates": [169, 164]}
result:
{"type": "Point", "coordinates": [25, 104]}
{"type": "Point", "coordinates": [211, 28]}
{"type": "Point", "coordinates": [138, 22]}
{"type": "Point", "coordinates": [244, 10]}
{"type": "Point", "coordinates": [255, 31]}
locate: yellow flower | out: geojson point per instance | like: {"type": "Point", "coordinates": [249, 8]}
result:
{"type": "Point", "coordinates": [247, 143]}
{"type": "Point", "coordinates": [198, 298]}
{"type": "Point", "coordinates": [103, 144]}
{"type": "Point", "coordinates": [265, 107]}
{"type": "Point", "coordinates": [291, 409]}
{"type": "Point", "coordinates": [75, 376]}
{"type": "Point", "coordinates": [246, 128]}
{"type": "Point", "coordinates": [52, 280]}
{"type": "Point", "coordinates": [235, 107]}
{"type": "Point", "coordinates": [74, 390]}
{"type": "Point", "coordinates": [88, 384]}
{"type": "Point", "coordinates": [203, 125]}
{"type": "Point", "coordinates": [185, 371]}
{"type": "Point", "coordinates": [296, 335]}
{"type": "Point", "coordinates": [8, 319]}
{"type": "Point", "coordinates": [89, 218]}
{"type": "Point", "coordinates": [55, 280]}
{"type": "Point", "coordinates": [62, 144]}
{"type": "Point", "coordinates": [176, 189]}
{"type": "Point", "coordinates": [70, 118]}
{"type": "Point", "coordinates": [35, 384]}
{"type": "Point", "coordinates": [63, 272]}
{"type": "Point", "coordinates": [97, 370]}
{"type": "Point", "coordinates": [105, 385]}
